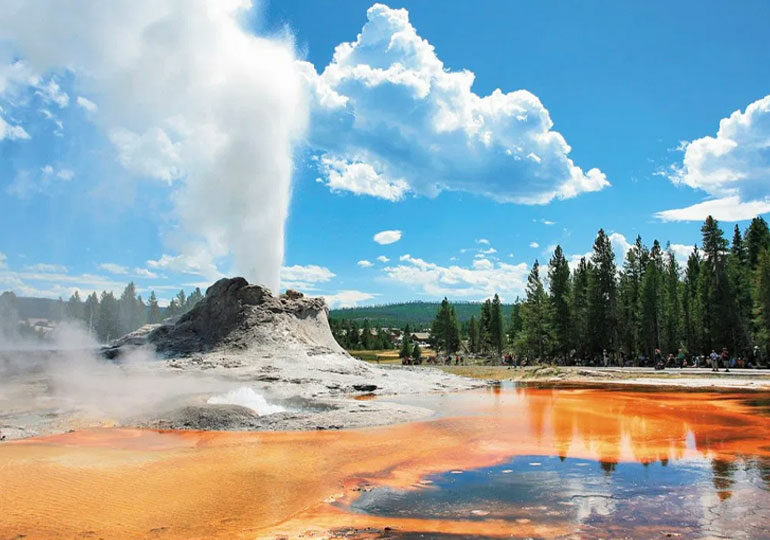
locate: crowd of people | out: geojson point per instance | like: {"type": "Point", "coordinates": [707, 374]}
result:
{"type": "Point", "coordinates": [445, 360]}
{"type": "Point", "coordinates": [714, 360]}
{"type": "Point", "coordinates": [658, 360]}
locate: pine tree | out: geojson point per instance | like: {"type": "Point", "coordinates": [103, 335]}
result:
{"type": "Point", "coordinates": [383, 340]}
{"type": "Point", "coordinates": [714, 287]}
{"type": "Point", "coordinates": [559, 295]}
{"type": "Point", "coordinates": [496, 330]}
{"type": "Point", "coordinates": [692, 311]}
{"type": "Point", "coordinates": [153, 316]}
{"type": "Point", "coordinates": [452, 332]}
{"type": "Point", "coordinates": [140, 312]}
{"type": "Point", "coordinates": [127, 309]}
{"type": "Point", "coordinates": [91, 312]}
{"type": "Point", "coordinates": [75, 308]}
{"type": "Point", "coordinates": [672, 306]}
{"type": "Point", "coordinates": [366, 336]}
{"type": "Point", "coordinates": [416, 352]}
{"type": "Point", "coordinates": [650, 301]}
{"type": "Point", "coordinates": [602, 295]}
{"type": "Point", "coordinates": [108, 319]}
{"type": "Point", "coordinates": [757, 240]}
{"type": "Point", "coordinates": [485, 325]}
{"type": "Point", "coordinates": [181, 302]}
{"type": "Point", "coordinates": [195, 297]}
{"type": "Point", "coordinates": [579, 306]}
{"type": "Point", "coordinates": [762, 300]}
{"type": "Point", "coordinates": [173, 310]}
{"type": "Point", "coordinates": [628, 298]}
{"type": "Point", "coordinates": [344, 333]}
{"type": "Point", "coordinates": [354, 337]}
{"type": "Point", "coordinates": [515, 327]}
{"type": "Point", "coordinates": [473, 335]}
{"type": "Point", "coordinates": [406, 344]}
{"type": "Point", "coordinates": [739, 277]}
{"type": "Point", "coordinates": [439, 330]}
{"type": "Point", "coordinates": [535, 333]}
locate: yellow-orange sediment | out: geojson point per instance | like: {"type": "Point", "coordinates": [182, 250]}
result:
{"type": "Point", "coordinates": [119, 483]}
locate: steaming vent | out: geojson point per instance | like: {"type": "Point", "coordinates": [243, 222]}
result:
{"type": "Point", "coordinates": [247, 397]}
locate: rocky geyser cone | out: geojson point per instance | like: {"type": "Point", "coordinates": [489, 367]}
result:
{"type": "Point", "coordinates": [235, 315]}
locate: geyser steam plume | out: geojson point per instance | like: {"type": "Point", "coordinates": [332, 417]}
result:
{"type": "Point", "coordinates": [185, 95]}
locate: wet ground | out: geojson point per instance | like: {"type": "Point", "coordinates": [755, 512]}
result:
{"type": "Point", "coordinates": [504, 462]}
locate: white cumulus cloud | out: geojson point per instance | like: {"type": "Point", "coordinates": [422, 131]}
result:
{"type": "Point", "coordinates": [482, 280]}
{"type": "Point", "coordinates": [383, 259]}
{"type": "Point", "coordinates": [733, 168]}
{"type": "Point", "coordinates": [723, 209]}
{"type": "Point", "coordinates": [387, 237]}
{"type": "Point", "coordinates": [388, 104]}
{"type": "Point", "coordinates": [347, 298]}
{"type": "Point", "coordinates": [304, 277]}
{"type": "Point", "coordinates": [534, 245]}
{"type": "Point", "coordinates": [364, 263]}
{"type": "Point", "coordinates": [361, 178]}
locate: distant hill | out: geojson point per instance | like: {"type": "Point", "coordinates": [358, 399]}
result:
{"type": "Point", "coordinates": [419, 314]}
{"type": "Point", "coordinates": [38, 308]}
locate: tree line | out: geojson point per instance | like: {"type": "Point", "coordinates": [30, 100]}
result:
{"type": "Point", "coordinates": [720, 299]}
{"type": "Point", "coordinates": [106, 316]}
{"type": "Point", "coordinates": [367, 337]}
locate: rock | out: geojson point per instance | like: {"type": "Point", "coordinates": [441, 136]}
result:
{"type": "Point", "coordinates": [365, 387]}
{"type": "Point", "coordinates": [293, 295]}
{"type": "Point", "coordinates": [235, 315]}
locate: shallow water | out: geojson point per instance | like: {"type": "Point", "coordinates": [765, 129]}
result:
{"type": "Point", "coordinates": [648, 464]}
{"type": "Point", "coordinates": [508, 461]}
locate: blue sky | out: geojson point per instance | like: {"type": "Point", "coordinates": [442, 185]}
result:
{"type": "Point", "coordinates": [127, 165]}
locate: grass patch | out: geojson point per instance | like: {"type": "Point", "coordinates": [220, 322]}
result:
{"type": "Point", "coordinates": [384, 356]}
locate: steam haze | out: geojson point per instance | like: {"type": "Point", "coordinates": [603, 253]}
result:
{"type": "Point", "coordinates": [188, 97]}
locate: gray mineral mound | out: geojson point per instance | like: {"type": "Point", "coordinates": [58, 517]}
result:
{"type": "Point", "coordinates": [282, 348]}
{"type": "Point", "coordinates": [235, 315]}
